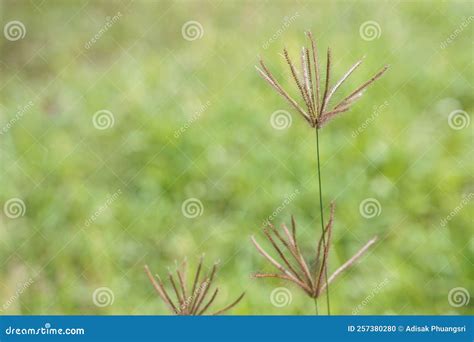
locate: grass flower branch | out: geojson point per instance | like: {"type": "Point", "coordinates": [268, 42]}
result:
{"type": "Point", "coordinates": [316, 109]}
{"type": "Point", "coordinates": [293, 266]}
{"type": "Point", "coordinates": [195, 302]}
{"type": "Point", "coordinates": [316, 113]}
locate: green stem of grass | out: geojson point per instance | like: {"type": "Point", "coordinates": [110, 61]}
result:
{"type": "Point", "coordinates": [316, 306]}
{"type": "Point", "coordinates": [323, 269]}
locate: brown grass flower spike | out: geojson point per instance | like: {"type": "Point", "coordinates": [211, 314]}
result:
{"type": "Point", "coordinates": [198, 299]}
{"type": "Point", "coordinates": [318, 110]}
{"type": "Point", "coordinates": [293, 266]}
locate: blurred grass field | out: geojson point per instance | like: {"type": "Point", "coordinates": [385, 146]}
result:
{"type": "Point", "coordinates": [192, 120]}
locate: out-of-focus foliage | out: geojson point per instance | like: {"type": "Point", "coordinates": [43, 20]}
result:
{"type": "Point", "coordinates": [192, 120]}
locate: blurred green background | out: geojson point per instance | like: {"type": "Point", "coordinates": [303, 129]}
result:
{"type": "Point", "coordinates": [192, 119]}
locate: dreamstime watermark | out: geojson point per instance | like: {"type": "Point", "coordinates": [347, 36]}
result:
{"type": "Point", "coordinates": [22, 110]}
{"type": "Point", "coordinates": [466, 199]}
{"type": "Point", "coordinates": [14, 30]}
{"type": "Point", "coordinates": [458, 296]}
{"type": "Point", "coordinates": [370, 30]}
{"type": "Point", "coordinates": [458, 119]}
{"type": "Point", "coordinates": [464, 23]}
{"type": "Point", "coordinates": [19, 291]}
{"type": "Point", "coordinates": [103, 119]}
{"type": "Point", "coordinates": [193, 119]}
{"type": "Point", "coordinates": [281, 119]}
{"type": "Point", "coordinates": [102, 297]}
{"type": "Point", "coordinates": [370, 296]}
{"type": "Point", "coordinates": [288, 199]}
{"type": "Point", "coordinates": [110, 199]}
{"type": "Point", "coordinates": [192, 208]}
{"type": "Point", "coordinates": [109, 22]}
{"type": "Point", "coordinates": [46, 330]}
{"type": "Point", "coordinates": [14, 208]}
{"type": "Point", "coordinates": [287, 21]}
{"type": "Point", "coordinates": [281, 297]}
{"type": "Point", "coordinates": [192, 30]}
{"type": "Point", "coordinates": [370, 207]}
{"type": "Point", "coordinates": [375, 114]}
{"type": "Point", "coordinates": [190, 298]}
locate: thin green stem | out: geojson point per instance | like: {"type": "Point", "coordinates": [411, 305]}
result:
{"type": "Point", "coordinates": [316, 305]}
{"type": "Point", "coordinates": [323, 269]}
